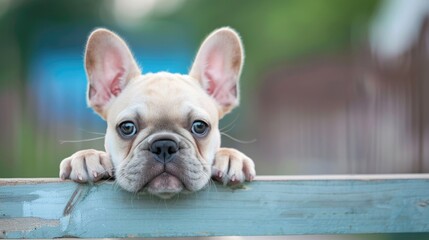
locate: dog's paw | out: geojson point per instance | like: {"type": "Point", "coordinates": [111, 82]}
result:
{"type": "Point", "coordinates": [86, 166]}
{"type": "Point", "coordinates": [232, 167]}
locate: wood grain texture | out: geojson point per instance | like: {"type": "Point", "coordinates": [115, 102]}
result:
{"type": "Point", "coordinates": [48, 208]}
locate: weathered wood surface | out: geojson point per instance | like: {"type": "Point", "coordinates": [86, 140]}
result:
{"type": "Point", "coordinates": [48, 208]}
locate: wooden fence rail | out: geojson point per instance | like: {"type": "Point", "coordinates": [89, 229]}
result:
{"type": "Point", "coordinates": [49, 208]}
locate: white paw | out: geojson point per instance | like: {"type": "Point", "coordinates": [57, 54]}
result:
{"type": "Point", "coordinates": [86, 166]}
{"type": "Point", "coordinates": [232, 167]}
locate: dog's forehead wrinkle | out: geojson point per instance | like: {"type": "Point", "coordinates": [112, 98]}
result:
{"type": "Point", "coordinates": [131, 112]}
{"type": "Point", "coordinates": [169, 95]}
{"type": "Point", "coordinates": [197, 113]}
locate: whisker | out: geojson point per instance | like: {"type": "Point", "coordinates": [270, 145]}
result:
{"type": "Point", "coordinates": [238, 140]}
{"type": "Point", "coordinates": [230, 124]}
{"type": "Point", "coordinates": [227, 130]}
{"type": "Point", "coordinates": [78, 141]}
{"type": "Point", "coordinates": [90, 132]}
{"type": "Point", "coordinates": [210, 182]}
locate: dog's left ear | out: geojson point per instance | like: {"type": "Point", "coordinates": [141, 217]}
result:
{"type": "Point", "coordinates": [217, 67]}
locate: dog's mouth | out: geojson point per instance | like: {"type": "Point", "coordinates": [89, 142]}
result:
{"type": "Point", "coordinates": [165, 185]}
{"type": "Point", "coordinates": [147, 172]}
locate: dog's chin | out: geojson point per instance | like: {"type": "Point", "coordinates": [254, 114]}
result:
{"type": "Point", "coordinates": [165, 186]}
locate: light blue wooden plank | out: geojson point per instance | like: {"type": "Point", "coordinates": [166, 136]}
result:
{"type": "Point", "coordinates": [320, 205]}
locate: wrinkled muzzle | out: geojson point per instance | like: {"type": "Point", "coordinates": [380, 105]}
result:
{"type": "Point", "coordinates": [164, 165]}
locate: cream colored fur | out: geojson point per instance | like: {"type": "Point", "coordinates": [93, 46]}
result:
{"type": "Point", "coordinates": [162, 106]}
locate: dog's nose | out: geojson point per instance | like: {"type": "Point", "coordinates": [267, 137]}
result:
{"type": "Point", "coordinates": [164, 150]}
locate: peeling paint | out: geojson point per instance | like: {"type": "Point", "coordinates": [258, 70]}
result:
{"type": "Point", "coordinates": [424, 203]}
{"type": "Point", "coordinates": [26, 198]}
{"type": "Point", "coordinates": [23, 181]}
{"type": "Point", "coordinates": [68, 209]}
{"type": "Point", "coordinates": [26, 224]}
{"type": "Point", "coordinates": [78, 195]}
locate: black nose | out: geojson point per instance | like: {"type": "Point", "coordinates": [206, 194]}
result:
{"type": "Point", "coordinates": [164, 151]}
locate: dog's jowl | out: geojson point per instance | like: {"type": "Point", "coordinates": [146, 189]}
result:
{"type": "Point", "coordinates": [162, 128]}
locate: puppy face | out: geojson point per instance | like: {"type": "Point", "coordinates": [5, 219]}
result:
{"type": "Point", "coordinates": [164, 109]}
{"type": "Point", "coordinates": [162, 132]}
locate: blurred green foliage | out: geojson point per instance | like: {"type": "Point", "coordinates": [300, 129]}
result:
{"type": "Point", "coordinates": [279, 30]}
{"type": "Point", "coordinates": [21, 22]}
{"type": "Point", "coordinates": [273, 32]}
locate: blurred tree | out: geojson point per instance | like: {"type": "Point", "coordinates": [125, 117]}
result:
{"type": "Point", "coordinates": [20, 24]}
{"type": "Point", "coordinates": [22, 21]}
{"type": "Point", "coordinates": [277, 30]}
{"type": "Point", "coordinates": [273, 32]}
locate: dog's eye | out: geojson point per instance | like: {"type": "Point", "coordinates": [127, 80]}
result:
{"type": "Point", "coordinates": [200, 128]}
{"type": "Point", "coordinates": [127, 129]}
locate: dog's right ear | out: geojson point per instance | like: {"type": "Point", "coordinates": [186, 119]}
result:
{"type": "Point", "coordinates": [109, 66]}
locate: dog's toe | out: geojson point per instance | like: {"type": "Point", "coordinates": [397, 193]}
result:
{"type": "Point", "coordinates": [86, 166]}
{"type": "Point", "coordinates": [232, 167]}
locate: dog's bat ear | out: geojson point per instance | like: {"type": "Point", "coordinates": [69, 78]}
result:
{"type": "Point", "coordinates": [218, 65]}
{"type": "Point", "coordinates": [109, 66]}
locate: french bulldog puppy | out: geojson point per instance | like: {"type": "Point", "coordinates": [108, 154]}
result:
{"type": "Point", "coordinates": [162, 132]}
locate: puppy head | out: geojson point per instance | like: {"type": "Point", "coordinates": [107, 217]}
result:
{"type": "Point", "coordinates": [162, 128]}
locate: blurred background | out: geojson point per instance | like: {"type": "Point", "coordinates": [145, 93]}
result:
{"type": "Point", "coordinates": [328, 86]}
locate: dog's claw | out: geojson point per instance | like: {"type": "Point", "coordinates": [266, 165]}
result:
{"type": "Point", "coordinates": [232, 167]}
{"type": "Point", "coordinates": [86, 166]}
